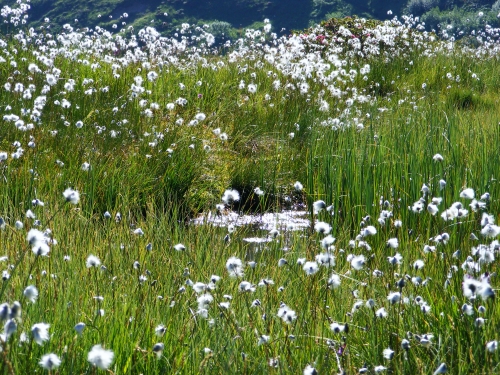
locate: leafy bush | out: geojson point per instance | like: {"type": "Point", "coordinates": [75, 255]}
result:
{"type": "Point", "coordinates": [459, 21]}
{"type": "Point", "coordinates": [419, 7]}
{"type": "Point", "coordinates": [221, 30]}
{"type": "Point", "coordinates": [328, 9]}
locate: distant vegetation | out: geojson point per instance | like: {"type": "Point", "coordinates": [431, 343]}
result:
{"type": "Point", "coordinates": [229, 18]}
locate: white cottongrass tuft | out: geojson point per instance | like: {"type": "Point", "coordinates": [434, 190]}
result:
{"type": "Point", "coordinates": [158, 349]}
{"type": "Point", "coordinates": [405, 344]}
{"type": "Point", "coordinates": [381, 313]}
{"type": "Point", "coordinates": [92, 261]}
{"type": "Point", "coordinates": [418, 264]}
{"type": "Point", "coordinates": [337, 328]}
{"type": "Point", "coordinates": [31, 293]}
{"type": "Point", "coordinates": [318, 206]}
{"type": "Point", "coordinates": [322, 227]}
{"type": "Point", "coordinates": [334, 281]}
{"type": "Point", "coordinates": [246, 286]}
{"type": "Point", "coordinates": [287, 314]}
{"type": "Point", "coordinates": [252, 88]}
{"type": "Point", "coordinates": [438, 157]}
{"type": "Point", "coordinates": [432, 209]}
{"type": "Point", "coordinates": [204, 301]}
{"type": "Point", "coordinates": [492, 346]}
{"type": "Point", "coordinates": [417, 207]}
{"type": "Point", "coordinates": [235, 267]}
{"type": "Point", "coordinates": [388, 353]}
{"type": "Point", "coordinates": [79, 327]}
{"type": "Point", "coordinates": [325, 259]}
{"type": "Point", "coordinates": [309, 370]}
{"type": "Point", "coordinates": [368, 231]}
{"type": "Point", "coordinates": [179, 247]}
{"type": "Point", "coordinates": [160, 330]}
{"type": "Point", "coordinates": [393, 243]}
{"type": "Point", "coordinates": [467, 194]}
{"type": "Point", "coordinates": [138, 232]}
{"type": "Point", "coordinates": [50, 362]}
{"type": "Point", "coordinates": [38, 242]}
{"type": "Point", "coordinates": [9, 329]}
{"type": "Point", "coordinates": [394, 297]}
{"type": "Point", "coordinates": [40, 332]}
{"type": "Point", "coordinates": [310, 268]}
{"type": "Point", "coordinates": [100, 357]}
{"type": "Point", "coordinates": [327, 242]}
{"type": "Point", "coordinates": [357, 262]}
{"type": "Point", "coordinates": [442, 368]}
{"type": "Point", "coordinates": [490, 231]}
{"type": "Point", "coordinates": [282, 262]}
{"type": "Point", "coordinates": [200, 116]}
{"type": "Point", "coordinates": [487, 219]}
{"type": "Point", "coordinates": [396, 259]}
{"type": "Point", "coordinates": [263, 339]}
{"type": "Point", "coordinates": [230, 196]}
{"type": "Point", "coordinates": [71, 196]}
{"type": "Point", "coordinates": [258, 191]}
{"type": "Point", "coordinates": [200, 287]}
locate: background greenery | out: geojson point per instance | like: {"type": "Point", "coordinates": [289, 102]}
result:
{"type": "Point", "coordinates": [241, 14]}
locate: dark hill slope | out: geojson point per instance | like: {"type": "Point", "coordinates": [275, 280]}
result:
{"type": "Point", "coordinates": [234, 15]}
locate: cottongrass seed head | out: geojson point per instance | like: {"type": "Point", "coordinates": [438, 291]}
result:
{"type": "Point", "coordinates": [158, 349]}
{"type": "Point", "coordinates": [40, 332]}
{"type": "Point", "coordinates": [79, 327]}
{"type": "Point", "coordinates": [310, 370]}
{"type": "Point", "coordinates": [100, 357]}
{"type": "Point", "coordinates": [442, 369]}
{"type": "Point", "coordinates": [71, 196]}
{"type": "Point", "coordinates": [31, 293]}
{"type": "Point", "coordinates": [230, 196]}
{"type": "Point", "coordinates": [92, 261]}
{"type": "Point", "coordinates": [50, 362]}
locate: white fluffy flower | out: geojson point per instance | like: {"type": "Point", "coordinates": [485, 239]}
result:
{"type": "Point", "coordinates": [40, 332]}
{"type": "Point", "coordinates": [71, 196]}
{"type": "Point", "coordinates": [50, 361]}
{"type": "Point", "coordinates": [31, 293]}
{"type": "Point", "coordinates": [287, 314]}
{"type": "Point", "coordinates": [310, 268]}
{"type": "Point", "coordinates": [322, 227]}
{"type": "Point", "coordinates": [467, 193]}
{"type": "Point", "coordinates": [235, 267]}
{"type": "Point", "coordinates": [100, 357]}
{"type": "Point", "coordinates": [358, 262]}
{"type": "Point", "coordinates": [92, 261]}
{"type": "Point", "coordinates": [438, 157]}
{"type": "Point", "coordinates": [230, 196]}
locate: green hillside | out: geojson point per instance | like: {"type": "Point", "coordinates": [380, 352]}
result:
{"type": "Point", "coordinates": [231, 17]}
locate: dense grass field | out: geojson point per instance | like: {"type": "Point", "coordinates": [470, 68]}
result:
{"type": "Point", "coordinates": [128, 164]}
